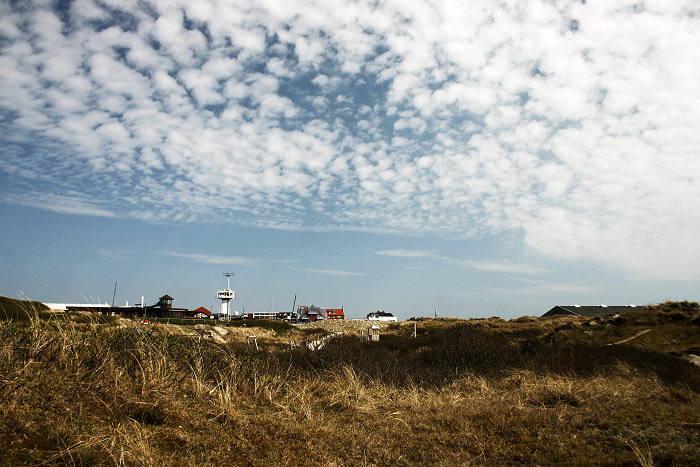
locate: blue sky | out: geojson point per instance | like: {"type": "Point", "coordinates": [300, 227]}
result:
{"type": "Point", "coordinates": [482, 158]}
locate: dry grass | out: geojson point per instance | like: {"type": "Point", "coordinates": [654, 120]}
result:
{"type": "Point", "coordinates": [486, 393]}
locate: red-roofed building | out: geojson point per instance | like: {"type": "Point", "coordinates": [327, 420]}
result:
{"type": "Point", "coordinates": [309, 314]}
{"type": "Point", "coordinates": [200, 312]}
{"type": "Point", "coordinates": [335, 313]}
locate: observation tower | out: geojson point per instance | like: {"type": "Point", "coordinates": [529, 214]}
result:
{"type": "Point", "coordinates": [226, 295]}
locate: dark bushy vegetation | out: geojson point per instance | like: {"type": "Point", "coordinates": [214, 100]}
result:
{"type": "Point", "coordinates": [446, 353]}
{"type": "Point", "coordinates": [279, 327]}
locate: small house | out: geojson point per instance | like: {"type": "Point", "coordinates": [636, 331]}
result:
{"type": "Point", "coordinates": [309, 314]}
{"type": "Point", "coordinates": [381, 316]}
{"type": "Point", "coordinates": [200, 312]}
{"type": "Point", "coordinates": [335, 313]}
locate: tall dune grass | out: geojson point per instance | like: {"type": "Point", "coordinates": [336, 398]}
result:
{"type": "Point", "coordinates": [92, 393]}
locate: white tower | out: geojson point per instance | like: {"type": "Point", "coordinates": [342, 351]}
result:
{"type": "Point", "coordinates": [226, 296]}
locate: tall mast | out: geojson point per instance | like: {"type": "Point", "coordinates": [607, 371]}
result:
{"type": "Point", "coordinates": [228, 278]}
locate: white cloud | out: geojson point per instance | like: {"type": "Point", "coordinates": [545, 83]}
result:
{"type": "Point", "coordinates": [490, 266]}
{"type": "Point", "coordinates": [203, 85]}
{"type": "Point", "coordinates": [115, 253]}
{"type": "Point", "coordinates": [333, 272]}
{"type": "Point", "coordinates": [493, 266]}
{"type": "Point", "coordinates": [277, 67]}
{"type": "Point", "coordinates": [223, 259]}
{"type": "Point", "coordinates": [573, 123]}
{"type": "Point", "coordinates": [399, 253]}
{"type": "Point", "coordinates": [575, 288]}
{"type": "Point", "coordinates": [71, 204]}
{"type": "Point", "coordinates": [537, 289]}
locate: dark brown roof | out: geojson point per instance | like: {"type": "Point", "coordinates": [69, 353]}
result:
{"type": "Point", "coordinates": [382, 313]}
{"type": "Point", "coordinates": [166, 297]}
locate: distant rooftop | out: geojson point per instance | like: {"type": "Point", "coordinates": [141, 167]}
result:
{"type": "Point", "coordinates": [590, 310]}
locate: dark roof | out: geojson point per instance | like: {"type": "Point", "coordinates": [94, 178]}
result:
{"type": "Point", "coordinates": [381, 313]}
{"type": "Point", "coordinates": [166, 297]}
{"type": "Point", "coordinates": [588, 310]}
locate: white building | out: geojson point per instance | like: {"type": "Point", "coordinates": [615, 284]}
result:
{"type": "Point", "coordinates": [64, 306]}
{"type": "Point", "coordinates": [381, 316]}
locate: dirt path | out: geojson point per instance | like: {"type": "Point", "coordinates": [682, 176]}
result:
{"type": "Point", "coordinates": [630, 338]}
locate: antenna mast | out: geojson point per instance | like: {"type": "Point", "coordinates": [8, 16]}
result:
{"type": "Point", "coordinates": [228, 278]}
{"type": "Point", "coordinates": [114, 295]}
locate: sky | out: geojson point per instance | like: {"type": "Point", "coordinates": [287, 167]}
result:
{"type": "Point", "coordinates": [479, 158]}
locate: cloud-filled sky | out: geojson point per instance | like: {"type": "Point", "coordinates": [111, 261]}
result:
{"type": "Point", "coordinates": [537, 147]}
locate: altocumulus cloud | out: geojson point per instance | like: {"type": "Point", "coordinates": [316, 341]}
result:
{"type": "Point", "coordinates": [572, 122]}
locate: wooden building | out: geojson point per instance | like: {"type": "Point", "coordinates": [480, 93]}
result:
{"type": "Point", "coordinates": [164, 309]}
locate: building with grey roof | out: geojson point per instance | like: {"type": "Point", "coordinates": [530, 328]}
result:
{"type": "Point", "coordinates": [590, 310]}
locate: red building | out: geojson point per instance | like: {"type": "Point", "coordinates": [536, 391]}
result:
{"type": "Point", "coordinates": [200, 312]}
{"type": "Point", "coordinates": [335, 313]}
